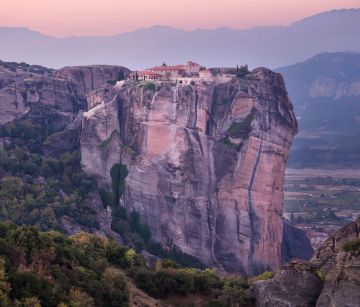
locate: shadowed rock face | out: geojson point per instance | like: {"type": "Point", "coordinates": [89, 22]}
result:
{"type": "Point", "coordinates": [295, 244]}
{"type": "Point", "coordinates": [206, 163]}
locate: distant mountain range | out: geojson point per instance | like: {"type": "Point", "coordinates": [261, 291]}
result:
{"type": "Point", "coordinates": [325, 91]}
{"type": "Point", "coordinates": [262, 46]}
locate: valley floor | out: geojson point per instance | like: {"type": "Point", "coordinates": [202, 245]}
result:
{"type": "Point", "coordinates": [321, 201]}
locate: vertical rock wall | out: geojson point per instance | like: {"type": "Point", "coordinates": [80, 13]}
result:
{"type": "Point", "coordinates": [206, 163]}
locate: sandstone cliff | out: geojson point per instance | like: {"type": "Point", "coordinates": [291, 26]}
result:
{"type": "Point", "coordinates": [206, 163]}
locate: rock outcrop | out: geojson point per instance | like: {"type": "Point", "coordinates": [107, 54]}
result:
{"type": "Point", "coordinates": [296, 285]}
{"type": "Point", "coordinates": [23, 89]}
{"type": "Point", "coordinates": [206, 163]}
{"type": "Point", "coordinates": [88, 78]}
{"type": "Point", "coordinates": [330, 278]}
{"type": "Point", "coordinates": [341, 269]}
{"type": "Point", "coordinates": [55, 96]}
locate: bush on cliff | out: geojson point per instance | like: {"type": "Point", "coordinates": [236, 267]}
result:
{"type": "Point", "coordinates": [241, 129]}
{"type": "Point", "coordinates": [118, 174]}
{"type": "Point", "coordinates": [242, 71]}
{"type": "Point", "coordinates": [352, 246]}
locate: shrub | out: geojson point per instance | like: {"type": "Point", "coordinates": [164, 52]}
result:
{"type": "Point", "coordinates": [242, 71]}
{"type": "Point", "coordinates": [184, 282]}
{"type": "Point", "coordinates": [352, 246]}
{"type": "Point", "coordinates": [241, 129]}
{"type": "Point", "coordinates": [264, 276]}
{"type": "Point", "coordinates": [176, 254]}
{"type": "Point", "coordinates": [118, 174]}
{"type": "Point", "coordinates": [139, 228]}
{"type": "Point", "coordinates": [120, 76]}
{"type": "Point", "coordinates": [149, 86]}
{"type": "Point", "coordinates": [111, 82]}
{"type": "Point", "coordinates": [115, 289]}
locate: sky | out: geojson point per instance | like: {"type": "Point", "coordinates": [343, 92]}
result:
{"type": "Point", "coordinates": [63, 18]}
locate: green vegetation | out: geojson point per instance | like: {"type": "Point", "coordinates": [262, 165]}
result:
{"type": "Point", "coordinates": [107, 141]}
{"type": "Point", "coordinates": [120, 76]}
{"type": "Point", "coordinates": [175, 254]}
{"type": "Point", "coordinates": [111, 82]}
{"type": "Point", "coordinates": [352, 246]}
{"type": "Point", "coordinates": [31, 131]}
{"type": "Point", "coordinates": [39, 190]}
{"type": "Point", "coordinates": [149, 86]}
{"type": "Point", "coordinates": [242, 71]}
{"type": "Point", "coordinates": [228, 142]}
{"type": "Point", "coordinates": [118, 174]}
{"type": "Point", "coordinates": [168, 281]}
{"type": "Point", "coordinates": [241, 129]}
{"type": "Point", "coordinates": [49, 268]}
{"type": "Point", "coordinates": [264, 276]}
{"type": "Point", "coordinates": [320, 275]}
{"type": "Point", "coordinates": [35, 69]}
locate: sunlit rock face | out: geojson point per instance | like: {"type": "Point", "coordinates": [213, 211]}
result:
{"type": "Point", "coordinates": [206, 163]}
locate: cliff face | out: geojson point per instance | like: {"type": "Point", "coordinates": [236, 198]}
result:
{"type": "Point", "coordinates": [295, 244]}
{"type": "Point", "coordinates": [23, 89]}
{"type": "Point", "coordinates": [88, 78]}
{"type": "Point", "coordinates": [206, 163]}
{"type": "Point", "coordinates": [56, 96]}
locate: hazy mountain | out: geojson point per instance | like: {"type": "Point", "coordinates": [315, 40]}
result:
{"type": "Point", "coordinates": [325, 91]}
{"type": "Point", "coordinates": [262, 46]}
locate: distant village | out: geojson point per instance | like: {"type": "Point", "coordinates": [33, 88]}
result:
{"type": "Point", "coordinates": [188, 73]}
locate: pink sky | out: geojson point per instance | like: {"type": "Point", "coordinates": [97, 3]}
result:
{"type": "Point", "coordinates": [107, 17]}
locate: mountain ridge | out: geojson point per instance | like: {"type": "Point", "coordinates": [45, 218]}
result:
{"type": "Point", "coordinates": [325, 92]}
{"type": "Point", "coordinates": [270, 46]}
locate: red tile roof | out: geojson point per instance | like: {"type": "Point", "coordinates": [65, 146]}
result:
{"type": "Point", "coordinates": [167, 68]}
{"type": "Point", "coordinates": [148, 73]}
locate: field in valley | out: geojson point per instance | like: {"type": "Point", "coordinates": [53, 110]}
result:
{"type": "Point", "coordinates": [321, 201]}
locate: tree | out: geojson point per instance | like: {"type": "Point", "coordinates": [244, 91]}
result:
{"type": "Point", "coordinates": [242, 71]}
{"type": "Point", "coordinates": [79, 298]}
{"type": "Point", "coordinates": [120, 76]}
{"type": "Point", "coordinates": [118, 174]}
{"type": "Point", "coordinates": [115, 288]}
{"type": "Point", "coordinates": [4, 285]}
{"type": "Point", "coordinates": [130, 256]}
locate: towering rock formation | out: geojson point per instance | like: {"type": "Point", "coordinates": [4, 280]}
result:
{"type": "Point", "coordinates": [206, 163]}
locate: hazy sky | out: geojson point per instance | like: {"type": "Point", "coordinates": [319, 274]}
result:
{"type": "Point", "coordinates": [106, 17]}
